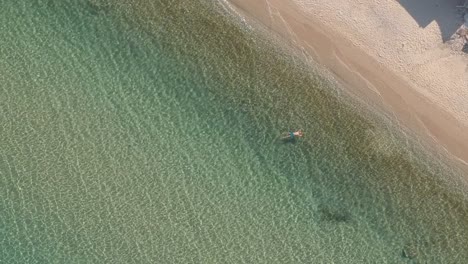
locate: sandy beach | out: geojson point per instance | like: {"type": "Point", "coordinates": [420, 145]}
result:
{"type": "Point", "coordinates": [404, 56]}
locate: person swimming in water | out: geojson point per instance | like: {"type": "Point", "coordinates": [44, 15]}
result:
{"type": "Point", "coordinates": [292, 135]}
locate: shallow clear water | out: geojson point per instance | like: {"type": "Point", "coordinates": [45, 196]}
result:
{"type": "Point", "coordinates": [147, 132]}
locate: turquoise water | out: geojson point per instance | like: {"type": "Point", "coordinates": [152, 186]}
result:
{"type": "Point", "coordinates": [147, 132]}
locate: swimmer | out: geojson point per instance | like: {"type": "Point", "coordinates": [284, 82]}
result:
{"type": "Point", "coordinates": [292, 135]}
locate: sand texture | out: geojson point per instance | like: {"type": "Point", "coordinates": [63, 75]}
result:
{"type": "Point", "coordinates": [404, 56]}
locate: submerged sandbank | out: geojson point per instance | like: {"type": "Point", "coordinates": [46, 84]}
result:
{"type": "Point", "coordinates": [424, 85]}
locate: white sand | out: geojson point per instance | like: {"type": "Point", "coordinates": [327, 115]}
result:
{"type": "Point", "coordinates": [389, 52]}
{"type": "Point", "coordinates": [386, 30]}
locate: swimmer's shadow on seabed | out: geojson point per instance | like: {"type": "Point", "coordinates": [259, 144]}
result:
{"type": "Point", "coordinates": [283, 140]}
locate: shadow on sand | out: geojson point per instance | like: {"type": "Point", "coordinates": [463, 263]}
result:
{"type": "Point", "coordinates": [443, 12]}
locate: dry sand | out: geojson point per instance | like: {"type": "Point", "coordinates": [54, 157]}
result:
{"type": "Point", "coordinates": [396, 54]}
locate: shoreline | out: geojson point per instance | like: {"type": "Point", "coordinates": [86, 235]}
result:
{"type": "Point", "coordinates": [367, 78]}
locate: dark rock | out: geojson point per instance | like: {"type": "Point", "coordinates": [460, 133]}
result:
{"type": "Point", "coordinates": [462, 32]}
{"type": "Point", "coordinates": [334, 214]}
{"type": "Point", "coordinates": [410, 251]}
